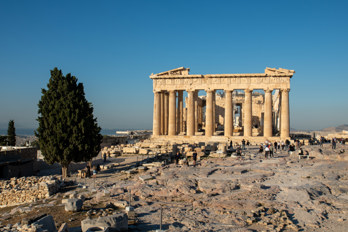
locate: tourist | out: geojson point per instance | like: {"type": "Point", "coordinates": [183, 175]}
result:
{"type": "Point", "coordinates": [300, 153]}
{"type": "Point", "coordinates": [271, 150]}
{"type": "Point", "coordinates": [266, 151]}
{"type": "Point", "coordinates": [287, 143]}
{"type": "Point", "coordinates": [243, 144]}
{"type": "Point", "coordinates": [88, 172]}
{"type": "Point", "coordinates": [321, 141]}
{"type": "Point", "coordinates": [177, 157]}
{"type": "Point", "coordinates": [297, 143]}
{"type": "Point", "coordinates": [275, 145]}
{"type": "Point", "coordinates": [239, 151]}
{"type": "Point", "coordinates": [333, 142]}
{"type": "Point", "coordinates": [261, 149]}
{"type": "Point", "coordinates": [248, 143]}
{"type": "Point", "coordinates": [283, 145]}
{"type": "Point", "coordinates": [194, 156]}
{"type": "Point", "coordinates": [104, 157]}
{"type": "Point", "coordinates": [306, 154]}
{"type": "Point", "coordinates": [291, 149]}
{"type": "Point", "coordinates": [230, 145]}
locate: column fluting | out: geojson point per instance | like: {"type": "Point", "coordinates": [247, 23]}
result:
{"type": "Point", "coordinates": [248, 112]}
{"type": "Point", "coordinates": [267, 126]}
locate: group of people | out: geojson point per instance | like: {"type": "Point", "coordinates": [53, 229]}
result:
{"type": "Point", "coordinates": [269, 149]}
{"type": "Point", "coordinates": [334, 141]}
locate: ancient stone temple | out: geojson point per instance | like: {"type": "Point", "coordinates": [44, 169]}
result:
{"type": "Point", "coordinates": [219, 107]}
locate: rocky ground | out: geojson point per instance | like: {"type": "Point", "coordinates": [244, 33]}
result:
{"type": "Point", "coordinates": [219, 194]}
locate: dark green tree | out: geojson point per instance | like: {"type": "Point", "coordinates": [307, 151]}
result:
{"type": "Point", "coordinates": [11, 133]}
{"type": "Point", "coordinates": [3, 140]}
{"type": "Point", "coordinates": [67, 130]}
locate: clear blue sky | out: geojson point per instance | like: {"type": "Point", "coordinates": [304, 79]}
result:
{"type": "Point", "coordinates": [113, 46]}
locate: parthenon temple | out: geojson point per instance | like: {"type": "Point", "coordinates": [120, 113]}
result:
{"type": "Point", "coordinates": [218, 107]}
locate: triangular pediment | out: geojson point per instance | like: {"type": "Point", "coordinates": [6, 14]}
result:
{"type": "Point", "coordinates": [177, 71]}
{"type": "Point", "coordinates": [272, 71]}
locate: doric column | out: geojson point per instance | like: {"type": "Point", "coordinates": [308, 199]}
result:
{"type": "Point", "coordinates": [267, 125]}
{"type": "Point", "coordinates": [285, 117]}
{"type": "Point", "coordinates": [157, 114]}
{"type": "Point", "coordinates": [196, 110]}
{"type": "Point", "coordinates": [228, 113]}
{"type": "Point", "coordinates": [248, 112]}
{"type": "Point", "coordinates": [181, 111]}
{"type": "Point", "coordinates": [166, 111]}
{"type": "Point", "coordinates": [209, 114]}
{"type": "Point", "coordinates": [190, 123]}
{"type": "Point", "coordinates": [172, 107]}
{"type": "Point", "coordinates": [214, 111]}
{"type": "Point", "coordinates": [162, 113]}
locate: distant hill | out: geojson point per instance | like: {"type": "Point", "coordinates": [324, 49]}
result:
{"type": "Point", "coordinates": [336, 129]}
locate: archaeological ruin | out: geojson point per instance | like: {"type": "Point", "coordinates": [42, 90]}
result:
{"type": "Point", "coordinates": [254, 107]}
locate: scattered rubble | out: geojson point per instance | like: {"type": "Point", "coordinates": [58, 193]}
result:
{"type": "Point", "coordinates": [228, 193]}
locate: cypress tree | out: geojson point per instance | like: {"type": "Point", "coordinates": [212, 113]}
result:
{"type": "Point", "coordinates": [11, 133]}
{"type": "Point", "coordinates": [67, 130]}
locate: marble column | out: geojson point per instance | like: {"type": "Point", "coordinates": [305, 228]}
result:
{"type": "Point", "coordinates": [267, 125]}
{"type": "Point", "coordinates": [180, 111]}
{"type": "Point", "coordinates": [285, 117]}
{"type": "Point", "coordinates": [247, 112]}
{"type": "Point", "coordinates": [214, 111]}
{"type": "Point", "coordinates": [162, 113]}
{"type": "Point", "coordinates": [196, 110]}
{"type": "Point", "coordinates": [166, 111]}
{"type": "Point", "coordinates": [172, 111]}
{"type": "Point", "coordinates": [190, 124]}
{"type": "Point", "coordinates": [157, 114]}
{"type": "Point", "coordinates": [228, 113]}
{"type": "Point", "coordinates": [209, 114]}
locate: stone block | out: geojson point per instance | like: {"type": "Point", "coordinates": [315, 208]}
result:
{"type": "Point", "coordinates": [142, 169]}
{"type": "Point", "coordinates": [217, 155]}
{"type": "Point", "coordinates": [120, 204]}
{"type": "Point", "coordinates": [146, 177]}
{"type": "Point", "coordinates": [73, 205]}
{"type": "Point", "coordinates": [130, 150]}
{"type": "Point", "coordinates": [116, 222]}
{"type": "Point", "coordinates": [189, 153]}
{"type": "Point", "coordinates": [45, 223]}
{"type": "Point", "coordinates": [143, 151]}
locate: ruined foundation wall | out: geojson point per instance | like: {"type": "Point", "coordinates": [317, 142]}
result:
{"type": "Point", "coordinates": [27, 189]}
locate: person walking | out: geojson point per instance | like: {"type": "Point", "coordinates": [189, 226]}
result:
{"type": "Point", "coordinates": [266, 151]}
{"type": "Point", "coordinates": [194, 156]}
{"type": "Point", "coordinates": [333, 142]}
{"type": "Point", "coordinates": [243, 144]}
{"type": "Point", "coordinates": [177, 157]}
{"type": "Point", "coordinates": [271, 150]}
{"type": "Point", "coordinates": [275, 146]}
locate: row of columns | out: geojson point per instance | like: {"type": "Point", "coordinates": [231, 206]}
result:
{"type": "Point", "coordinates": [168, 119]}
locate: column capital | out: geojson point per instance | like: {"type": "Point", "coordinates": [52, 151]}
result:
{"type": "Point", "coordinates": [171, 91]}
{"type": "Point", "coordinates": [209, 90]}
{"type": "Point", "coordinates": [248, 90]}
{"type": "Point", "coordinates": [229, 90]}
{"type": "Point", "coordinates": [285, 90]}
{"type": "Point", "coordinates": [268, 90]}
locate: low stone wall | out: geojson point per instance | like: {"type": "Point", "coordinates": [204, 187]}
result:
{"type": "Point", "coordinates": [27, 189]}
